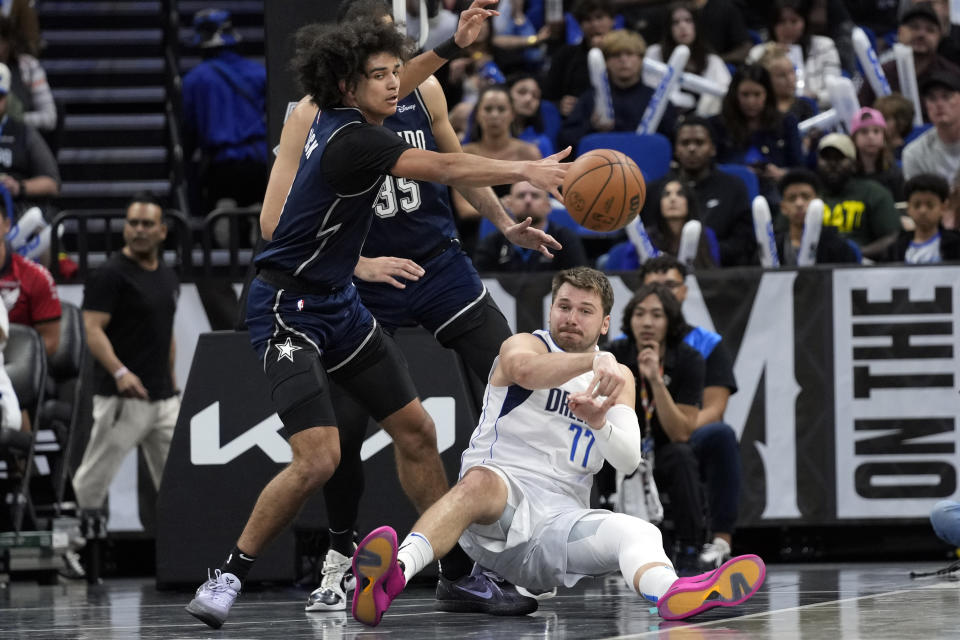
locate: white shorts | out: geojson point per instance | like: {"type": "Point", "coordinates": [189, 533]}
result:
{"type": "Point", "coordinates": [528, 544]}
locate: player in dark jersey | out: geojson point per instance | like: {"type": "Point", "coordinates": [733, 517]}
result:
{"type": "Point", "coordinates": [304, 314]}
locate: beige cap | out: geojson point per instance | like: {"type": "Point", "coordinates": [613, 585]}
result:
{"type": "Point", "coordinates": [839, 141]}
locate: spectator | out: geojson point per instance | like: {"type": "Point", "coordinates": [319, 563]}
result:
{"type": "Point", "coordinates": [537, 121]}
{"type": "Point", "coordinates": [29, 292]}
{"type": "Point", "coordinates": [492, 137]}
{"type": "Point", "coordinates": [27, 167]}
{"type": "Point", "coordinates": [875, 159]}
{"type": "Point", "coordinates": [623, 51]}
{"type": "Point", "coordinates": [783, 77]}
{"type": "Point", "coordinates": [714, 442]}
{"type": "Point", "coordinates": [928, 195]}
{"type": "Point", "coordinates": [128, 308]}
{"type": "Point", "coordinates": [224, 115]}
{"type": "Point", "coordinates": [949, 46]}
{"type": "Point", "coordinates": [752, 131]}
{"type": "Point", "coordinates": [669, 396]}
{"type": "Point", "coordinates": [861, 210]}
{"type": "Point", "coordinates": [920, 29]}
{"type": "Point", "coordinates": [938, 149]}
{"type": "Point", "coordinates": [678, 205]}
{"type": "Point", "coordinates": [722, 198]}
{"type": "Point", "coordinates": [10, 417]}
{"type": "Point", "coordinates": [728, 34]}
{"type": "Point", "coordinates": [496, 253]}
{"type": "Point", "coordinates": [819, 58]}
{"type": "Point", "coordinates": [468, 75]}
{"type": "Point", "coordinates": [569, 77]}
{"type": "Point", "coordinates": [897, 111]}
{"type": "Point", "coordinates": [797, 189]}
{"type": "Point", "coordinates": [683, 28]}
{"type": "Point", "coordinates": [520, 45]}
{"type": "Point", "coordinates": [30, 97]}
{"type": "Point", "coordinates": [26, 25]}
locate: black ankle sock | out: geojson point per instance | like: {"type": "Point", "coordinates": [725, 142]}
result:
{"type": "Point", "coordinates": [342, 541]}
{"type": "Point", "coordinates": [238, 563]}
{"type": "Point", "coordinates": [456, 563]}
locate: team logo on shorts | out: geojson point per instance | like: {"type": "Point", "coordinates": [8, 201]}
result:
{"type": "Point", "coordinates": [286, 350]}
{"type": "Point", "coordinates": [300, 304]}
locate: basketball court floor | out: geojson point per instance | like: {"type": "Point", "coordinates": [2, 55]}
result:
{"type": "Point", "coordinates": [809, 601]}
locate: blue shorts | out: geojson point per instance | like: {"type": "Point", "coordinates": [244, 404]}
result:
{"type": "Point", "coordinates": [336, 324]}
{"type": "Point", "coordinates": [449, 289]}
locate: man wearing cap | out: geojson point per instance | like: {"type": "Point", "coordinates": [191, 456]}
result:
{"type": "Point", "coordinates": [938, 150]}
{"type": "Point", "coordinates": [919, 29]}
{"type": "Point", "coordinates": [861, 210]}
{"type": "Point", "coordinates": [224, 107]}
{"type": "Point", "coordinates": [28, 169]}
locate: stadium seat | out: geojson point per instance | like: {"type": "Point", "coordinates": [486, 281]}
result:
{"type": "Point", "coordinates": [652, 152]}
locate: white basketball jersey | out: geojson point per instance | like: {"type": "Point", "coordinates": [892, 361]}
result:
{"type": "Point", "coordinates": [534, 434]}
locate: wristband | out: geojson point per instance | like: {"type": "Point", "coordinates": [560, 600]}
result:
{"type": "Point", "coordinates": [119, 373]}
{"type": "Point", "coordinates": [448, 49]}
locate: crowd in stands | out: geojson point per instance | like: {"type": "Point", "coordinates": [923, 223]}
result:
{"type": "Point", "coordinates": [890, 189]}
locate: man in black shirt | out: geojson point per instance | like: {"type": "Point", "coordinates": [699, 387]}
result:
{"type": "Point", "coordinates": [669, 375]}
{"type": "Point", "coordinates": [569, 77]}
{"type": "Point", "coordinates": [722, 198]}
{"type": "Point", "coordinates": [128, 309]}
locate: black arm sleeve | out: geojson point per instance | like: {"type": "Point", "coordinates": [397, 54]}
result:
{"type": "Point", "coordinates": [357, 156]}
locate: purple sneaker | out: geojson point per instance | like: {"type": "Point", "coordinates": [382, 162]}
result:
{"type": "Point", "coordinates": [379, 577]}
{"type": "Point", "coordinates": [734, 582]}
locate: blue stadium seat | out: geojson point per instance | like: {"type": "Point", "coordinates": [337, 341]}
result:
{"type": "Point", "coordinates": [652, 152]}
{"type": "Point", "coordinates": [743, 172]}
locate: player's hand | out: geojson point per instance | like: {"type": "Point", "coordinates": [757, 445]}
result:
{"type": "Point", "coordinates": [648, 361]}
{"type": "Point", "coordinates": [523, 235]}
{"type": "Point", "coordinates": [468, 28]}
{"type": "Point", "coordinates": [130, 386]}
{"type": "Point", "coordinates": [548, 173]}
{"type": "Point", "coordinates": [592, 410]}
{"type": "Point", "coordinates": [608, 378]}
{"type": "Point", "coordinates": [388, 269]}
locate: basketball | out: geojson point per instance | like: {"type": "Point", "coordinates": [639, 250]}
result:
{"type": "Point", "coordinates": [604, 190]}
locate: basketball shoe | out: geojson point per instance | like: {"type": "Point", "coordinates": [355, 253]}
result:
{"type": "Point", "coordinates": [733, 583]}
{"type": "Point", "coordinates": [378, 574]}
{"type": "Point", "coordinates": [337, 582]}
{"type": "Point", "coordinates": [214, 598]}
{"type": "Point", "coordinates": [482, 591]}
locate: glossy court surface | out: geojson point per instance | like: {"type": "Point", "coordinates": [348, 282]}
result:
{"type": "Point", "coordinates": [818, 601]}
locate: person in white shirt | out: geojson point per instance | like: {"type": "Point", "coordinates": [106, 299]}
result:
{"type": "Point", "coordinates": [938, 149]}
{"type": "Point", "coordinates": [819, 58]}
{"type": "Point", "coordinates": [555, 408]}
{"type": "Point", "coordinates": [9, 406]}
{"type": "Point", "coordinates": [683, 28]}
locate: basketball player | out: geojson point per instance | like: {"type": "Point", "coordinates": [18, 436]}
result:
{"type": "Point", "coordinates": [412, 272]}
{"type": "Point", "coordinates": [305, 316]}
{"type": "Point", "coordinates": [555, 408]}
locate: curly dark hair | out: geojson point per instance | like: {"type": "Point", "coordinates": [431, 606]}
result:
{"type": "Point", "coordinates": [328, 54]}
{"type": "Point", "coordinates": [677, 327]}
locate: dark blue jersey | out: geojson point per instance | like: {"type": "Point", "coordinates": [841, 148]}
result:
{"type": "Point", "coordinates": [328, 210]}
{"type": "Point", "coordinates": [412, 217]}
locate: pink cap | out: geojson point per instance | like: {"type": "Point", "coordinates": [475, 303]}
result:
{"type": "Point", "coordinates": [867, 117]}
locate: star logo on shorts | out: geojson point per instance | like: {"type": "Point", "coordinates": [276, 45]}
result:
{"type": "Point", "coordinates": [286, 350]}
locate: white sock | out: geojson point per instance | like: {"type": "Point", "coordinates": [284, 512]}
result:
{"type": "Point", "coordinates": [655, 581]}
{"type": "Point", "coordinates": [415, 553]}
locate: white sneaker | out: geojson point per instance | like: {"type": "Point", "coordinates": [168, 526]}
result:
{"type": "Point", "coordinates": [714, 554]}
{"type": "Point", "coordinates": [214, 598]}
{"type": "Point", "coordinates": [338, 580]}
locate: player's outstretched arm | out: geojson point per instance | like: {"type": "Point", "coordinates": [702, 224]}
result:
{"type": "Point", "coordinates": [483, 199]}
{"type": "Point", "coordinates": [424, 65]}
{"type": "Point", "coordinates": [526, 361]}
{"type": "Point", "coordinates": [467, 170]}
{"type": "Point", "coordinates": [292, 137]}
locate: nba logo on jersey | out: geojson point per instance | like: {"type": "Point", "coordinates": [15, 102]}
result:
{"type": "Point", "coordinates": [300, 304]}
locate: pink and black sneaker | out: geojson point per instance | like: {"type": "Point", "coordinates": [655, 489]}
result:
{"type": "Point", "coordinates": [379, 577]}
{"type": "Point", "coordinates": [733, 583]}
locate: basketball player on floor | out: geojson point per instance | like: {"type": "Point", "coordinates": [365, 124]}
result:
{"type": "Point", "coordinates": [555, 408]}
{"type": "Point", "coordinates": [412, 272]}
{"type": "Point", "coordinates": [305, 317]}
